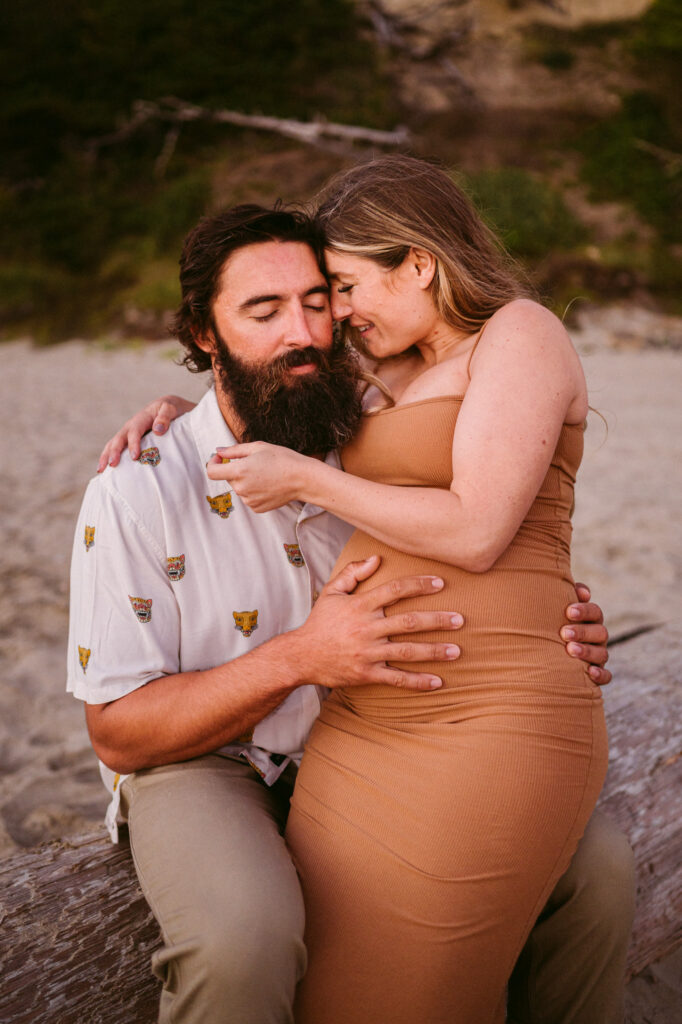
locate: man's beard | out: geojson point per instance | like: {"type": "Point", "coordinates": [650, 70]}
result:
{"type": "Point", "coordinates": [311, 413]}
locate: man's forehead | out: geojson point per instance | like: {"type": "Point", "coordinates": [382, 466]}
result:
{"type": "Point", "coordinates": [270, 268]}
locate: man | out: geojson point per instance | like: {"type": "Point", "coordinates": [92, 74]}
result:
{"type": "Point", "coordinates": [202, 633]}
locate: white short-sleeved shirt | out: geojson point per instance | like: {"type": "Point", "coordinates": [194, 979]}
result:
{"type": "Point", "coordinates": [171, 573]}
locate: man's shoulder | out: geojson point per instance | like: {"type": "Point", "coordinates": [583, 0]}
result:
{"type": "Point", "coordinates": [168, 468]}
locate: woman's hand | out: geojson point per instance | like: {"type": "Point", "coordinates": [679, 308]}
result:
{"type": "Point", "coordinates": [156, 417]}
{"type": "Point", "coordinates": [586, 636]}
{"type": "Point", "coordinates": [265, 476]}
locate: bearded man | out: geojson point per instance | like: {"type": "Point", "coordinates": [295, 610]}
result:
{"type": "Point", "coordinates": [203, 636]}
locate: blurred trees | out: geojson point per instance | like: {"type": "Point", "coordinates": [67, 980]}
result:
{"type": "Point", "coordinates": [69, 73]}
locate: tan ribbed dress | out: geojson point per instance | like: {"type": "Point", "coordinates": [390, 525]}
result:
{"type": "Point", "coordinates": [429, 828]}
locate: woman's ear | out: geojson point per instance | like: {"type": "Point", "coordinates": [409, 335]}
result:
{"type": "Point", "coordinates": [424, 264]}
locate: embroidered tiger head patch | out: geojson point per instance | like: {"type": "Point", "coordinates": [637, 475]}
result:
{"type": "Point", "coordinates": [294, 555]}
{"type": "Point", "coordinates": [84, 657]}
{"type": "Point", "coordinates": [89, 537]}
{"type": "Point", "coordinates": [221, 505]}
{"type": "Point", "coordinates": [246, 622]}
{"type": "Point", "coordinates": [142, 606]}
{"type": "Point", "coordinates": [175, 567]}
{"type": "Point", "coordinates": [150, 457]}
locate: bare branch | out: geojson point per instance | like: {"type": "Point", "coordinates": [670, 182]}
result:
{"type": "Point", "coordinates": [391, 30]}
{"type": "Point", "coordinates": [314, 133]}
{"type": "Point", "coordinates": [671, 162]}
{"type": "Point", "coordinates": [167, 150]}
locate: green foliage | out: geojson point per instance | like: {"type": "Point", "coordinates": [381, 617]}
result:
{"type": "Point", "coordinates": [557, 58]}
{"type": "Point", "coordinates": [69, 74]}
{"type": "Point", "coordinates": [657, 46]}
{"type": "Point", "coordinates": [528, 214]}
{"type": "Point", "coordinates": [626, 158]}
{"type": "Point", "coordinates": [71, 69]}
{"type": "Point", "coordinates": [659, 31]}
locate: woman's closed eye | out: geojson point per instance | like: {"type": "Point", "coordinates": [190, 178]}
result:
{"type": "Point", "coordinates": [342, 288]}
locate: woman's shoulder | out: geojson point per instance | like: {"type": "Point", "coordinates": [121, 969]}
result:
{"type": "Point", "coordinates": [524, 326]}
{"type": "Point", "coordinates": [524, 340]}
{"type": "Point", "coordinates": [526, 315]}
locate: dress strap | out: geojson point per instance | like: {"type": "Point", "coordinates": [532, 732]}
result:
{"type": "Point", "coordinates": [475, 345]}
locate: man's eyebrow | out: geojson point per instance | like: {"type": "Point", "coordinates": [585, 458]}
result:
{"type": "Point", "coordinates": [256, 300]}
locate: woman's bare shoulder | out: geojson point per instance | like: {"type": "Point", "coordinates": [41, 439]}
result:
{"type": "Point", "coordinates": [526, 326]}
{"type": "Point", "coordinates": [526, 338]}
{"type": "Point", "coordinates": [525, 314]}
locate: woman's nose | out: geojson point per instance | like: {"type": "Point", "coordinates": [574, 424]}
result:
{"type": "Point", "coordinates": [340, 306]}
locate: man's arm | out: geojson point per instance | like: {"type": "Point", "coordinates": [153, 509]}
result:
{"type": "Point", "coordinates": [586, 636]}
{"type": "Point", "coordinates": [344, 642]}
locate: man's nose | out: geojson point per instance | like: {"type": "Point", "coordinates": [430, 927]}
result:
{"type": "Point", "coordinates": [298, 333]}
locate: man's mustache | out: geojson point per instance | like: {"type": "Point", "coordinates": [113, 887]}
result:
{"type": "Point", "coordinates": [299, 357]}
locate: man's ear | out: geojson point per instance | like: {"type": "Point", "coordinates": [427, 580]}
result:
{"type": "Point", "coordinates": [423, 264]}
{"type": "Point", "coordinates": [206, 342]}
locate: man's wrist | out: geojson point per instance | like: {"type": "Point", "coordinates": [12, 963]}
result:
{"type": "Point", "coordinates": [293, 660]}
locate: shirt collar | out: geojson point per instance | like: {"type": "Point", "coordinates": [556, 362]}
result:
{"type": "Point", "coordinates": [211, 431]}
{"type": "Point", "coordinates": [209, 427]}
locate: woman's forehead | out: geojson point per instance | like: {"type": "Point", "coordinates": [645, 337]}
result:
{"type": "Point", "coordinates": [347, 263]}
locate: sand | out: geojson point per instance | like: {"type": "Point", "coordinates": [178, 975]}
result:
{"type": "Point", "coordinates": [60, 404]}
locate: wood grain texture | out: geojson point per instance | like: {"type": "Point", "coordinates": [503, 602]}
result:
{"type": "Point", "coordinates": [76, 934]}
{"type": "Point", "coordinates": [643, 790]}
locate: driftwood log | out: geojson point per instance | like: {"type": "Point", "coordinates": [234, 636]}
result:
{"type": "Point", "coordinates": [76, 933]}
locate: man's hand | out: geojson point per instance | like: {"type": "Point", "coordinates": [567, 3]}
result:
{"type": "Point", "coordinates": [586, 636]}
{"type": "Point", "coordinates": [156, 416]}
{"type": "Point", "coordinates": [346, 636]}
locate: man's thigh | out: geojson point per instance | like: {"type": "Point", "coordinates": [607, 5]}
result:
{"type": "Point", "coordinates": [571, 970]}
{"type": "Point", "coordinates": [209, 853]}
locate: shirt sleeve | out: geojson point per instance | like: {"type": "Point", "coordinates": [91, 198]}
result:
{"type": "Point", "coordinates": [124, 628]}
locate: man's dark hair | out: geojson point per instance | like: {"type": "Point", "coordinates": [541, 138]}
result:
{"type": "Point", "coordinates": [204, 253]}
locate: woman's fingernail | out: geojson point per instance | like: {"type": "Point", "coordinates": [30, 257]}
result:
{"type": "Point", "coordinates": [457, 619]}
{"type": "Point", "coordinates": [574, 649]}
{"type": "Point", "coordinates": [452, 651]}
{"type": "Point", "coordinates": [437, 583]}
{"type": "Point", "coordinates": [568, 634]}
{"type": "Point", "coordinates": [573, 613]}
{"type": "Point", "coordinates": [159, 428]}
{"type": "Point", "coordinates": [435, 683]}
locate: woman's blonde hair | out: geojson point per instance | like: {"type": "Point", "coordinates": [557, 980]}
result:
{"type": "Point", "coordinates": [381, 209]}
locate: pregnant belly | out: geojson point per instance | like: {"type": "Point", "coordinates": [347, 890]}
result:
{"type": "Point", "coordinates": [512, 616]}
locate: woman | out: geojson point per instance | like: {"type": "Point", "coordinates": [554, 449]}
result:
{"type": "Point", "coordinates": [429, 828]}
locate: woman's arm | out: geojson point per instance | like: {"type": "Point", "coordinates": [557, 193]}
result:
{"type": "Point", "coordinates": [156, 417]}
{"type": "Point", "coordinates": [525, 380]}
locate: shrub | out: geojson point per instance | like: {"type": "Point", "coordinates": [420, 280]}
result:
{"type": "Point", "coordinates": [528, 214]}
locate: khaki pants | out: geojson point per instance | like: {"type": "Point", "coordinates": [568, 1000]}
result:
{"type": "Point", "coordinates": [206, 837]}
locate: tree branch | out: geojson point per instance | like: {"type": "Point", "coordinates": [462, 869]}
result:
{"type": "Point", "coordinates": [176, 111]}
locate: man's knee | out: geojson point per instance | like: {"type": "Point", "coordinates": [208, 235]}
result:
{"type": "Point", "coordinates": [236, 967]}
{"type": "Point", "coordinates": [600, 883]}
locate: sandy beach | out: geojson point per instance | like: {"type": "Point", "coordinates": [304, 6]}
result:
{"type": "Point", "coordinates": [61, 403]}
